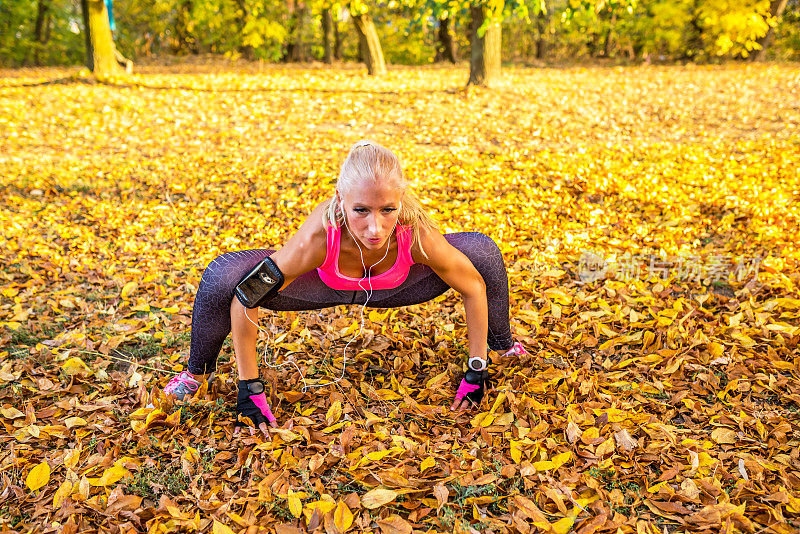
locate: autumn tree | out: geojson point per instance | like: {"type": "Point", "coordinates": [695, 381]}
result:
{"type": "Point", "coordinates": [485, 35]}
{"type": "Point", "coordinates": [42, 29]}
{"type": "Point", "coordinates": [486, 17]}
{"type": "Point", "coordinates": [446, 49]}
{"type": "Point", "coordinates": [101, 54]}
{"type": "Point", "coordinates": [368, 38]}
{"type": "Point", "coordinates": [776, 9]}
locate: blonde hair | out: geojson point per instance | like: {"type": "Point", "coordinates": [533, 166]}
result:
{"type": "Point", "coordinates": [368, 160]}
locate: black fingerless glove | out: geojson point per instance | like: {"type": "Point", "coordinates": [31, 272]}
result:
{"type": "Point", "coordinates": [474, 385]}
{"type": "Point", "coordinates": [251, 402]}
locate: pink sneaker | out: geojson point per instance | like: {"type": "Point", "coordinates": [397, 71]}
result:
{"type": "Point", "coordinates": [182, 385]}
{"type": "Point", "coordinates": [516, 350]}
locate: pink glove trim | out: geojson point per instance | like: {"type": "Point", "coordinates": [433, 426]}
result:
{"type": "Point", "coordinates": [260, 400]}
{"type": "Point", "coordinates": [464, 388]}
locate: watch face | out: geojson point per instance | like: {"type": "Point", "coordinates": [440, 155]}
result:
{"type": "Point", "coordinates": [255, 387]}
{"type": "Point", "coordinates": [477, 364]}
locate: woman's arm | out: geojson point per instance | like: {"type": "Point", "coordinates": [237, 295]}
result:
{"type": "Point", "coordinates": [304, 251]}
{"type": "Point", "coordinates": [457, 271]}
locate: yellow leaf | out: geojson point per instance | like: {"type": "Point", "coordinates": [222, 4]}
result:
{"type": "Point", "coordinates": [376, 317]}
{"type": "Point", "coordinates": [63, 491]}
{"type": "Point", "coordinates": [723, 436]}
{"type": "Point", "coordinates": [75, 366]}
{"type": "Point", "coordinates": [561, 459]}
{"type": "Point", "coordinates": [71, 457]}
{"type": "Point", "coordinates": [334, 413]}
{"type": "Point", "coordinates": [563, 525]}
{"type": "Point", "coordinates": [129, 288]}
{"type": "Point", "coordinates": [387, 395]}
{"type": "Point", "coordinates": [74, 421]}
{"type": "Point", "coordinates": [285, 434]}
{"type": "Point", "coordinates": [544, 465]}
{"type": "Point", "coordinates": [394, 524]}
{"type": "Point", "coordinates": [38, 477]}
{"type": "Point", "coordinates": [607, 447]}
{"type": "Point", "coordinates": [220, 528]}
{"type": "Point", "coordinates": [378, 497]}
{"type": "Point", "coordinates": [322, 507]}
{"type": "Point", "coordinates": [426, 464]}
{"type": "Point", "coordinates": [110, 476]}
{"type": "Point", "coordinates": [342, 517]}
{"type": "Point", "coordinates": [191, 454]}
{"type": "Point", "coordinates": [745, 341]}
{"type": "Point", "coordinates": [529, 508]}
{"type": "Point", "coordinates": [295, 505]}
{"type": "Point", "coordinates": [376, 456]}
{"type": "Point", "coordinates": [516, 451]}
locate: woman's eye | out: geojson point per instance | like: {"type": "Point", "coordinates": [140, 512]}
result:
{"type": "Point", "coordinates": [360, 210]}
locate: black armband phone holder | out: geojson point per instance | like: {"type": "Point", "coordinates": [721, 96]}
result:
{"type": "Point", "coordinates": [260, 284]}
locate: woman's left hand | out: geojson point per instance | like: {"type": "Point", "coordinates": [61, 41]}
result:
{"type": "Point", "coordinates": [471, 390]}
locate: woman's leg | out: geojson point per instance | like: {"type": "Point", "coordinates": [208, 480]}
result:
{"type": "Point", "coordinates": [423, 285]}
{"type": "Point", "coordinates": [211, 316]}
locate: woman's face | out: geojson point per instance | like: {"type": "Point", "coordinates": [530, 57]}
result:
{"type": "Point", "coordinates": [371, 210]}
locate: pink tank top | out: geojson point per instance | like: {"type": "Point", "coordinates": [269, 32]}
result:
{"type": "Point", "coordinates": [396, 275]}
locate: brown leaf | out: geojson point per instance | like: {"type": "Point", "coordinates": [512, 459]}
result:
{"type": "Point", "coordinates": [395, 525]}
{"type": "Point", "coordinates": [625, 441]}
{"type": "Point", "coordinates": [441, 493]}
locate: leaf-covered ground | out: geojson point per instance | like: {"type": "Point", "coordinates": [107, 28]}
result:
{"type": "Point", "coordinates": [645, 406]}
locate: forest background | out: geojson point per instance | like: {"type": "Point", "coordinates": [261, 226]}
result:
{"type": "Point", "coordinates": [48, 32]}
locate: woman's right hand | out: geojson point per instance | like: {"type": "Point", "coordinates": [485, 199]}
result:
{"type": "Point", "coordinates": [251, 403]}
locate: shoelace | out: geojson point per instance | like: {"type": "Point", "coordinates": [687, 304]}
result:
{"type": "Point", "coordinates": [183, 378]}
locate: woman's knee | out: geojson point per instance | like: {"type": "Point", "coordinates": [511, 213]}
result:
{"type": "Point", "coordinates": [225, 271]}
{"type": "Point", "coordinates": [476, 246]}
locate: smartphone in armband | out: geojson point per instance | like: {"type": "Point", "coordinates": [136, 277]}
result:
{"type": "Point", "coordinates": [260, 284]}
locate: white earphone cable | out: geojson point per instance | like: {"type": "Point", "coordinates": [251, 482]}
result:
{"type": "Point", "coordinates": [369, 294]}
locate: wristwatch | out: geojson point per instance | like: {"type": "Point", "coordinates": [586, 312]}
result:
{"type": "Point", "coordinates": [255, 385]}
{"type": "Point", "coordinates": [476, 363]}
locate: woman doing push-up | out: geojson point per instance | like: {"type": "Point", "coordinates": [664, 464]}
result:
{"type": "Point", "coordinates": [371, 243]}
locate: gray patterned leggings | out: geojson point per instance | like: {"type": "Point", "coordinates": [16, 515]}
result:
{"type": "Point", "coordinates": [211, 320]}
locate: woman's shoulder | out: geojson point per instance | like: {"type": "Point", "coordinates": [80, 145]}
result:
{"type": "Point", "coordinates": [314, 227]}
{"type": "Point", "coordinates": [307, 247]}
{"type": "Point", "coordinates": [430, 241]}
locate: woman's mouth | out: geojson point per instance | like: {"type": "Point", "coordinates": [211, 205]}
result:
{"type": "Point", "coordinates": [374, 241]}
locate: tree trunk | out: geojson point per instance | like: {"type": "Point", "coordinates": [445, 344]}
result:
{"type": "Point", "coordinates": [298, 51]}
{"type": "Point", "coordinates": [42, 30]}
{"type": "Point", "coordinates": [327, 35]}
{"type": "Point", "coordinates": [484, 65]}
{"type": "Point", "coordinates": [101, 55]}
{"type": "Point", "coordinates": [294, 48]}
{"type": "Point", "coordinates": [370, 44]}
{"type": "Point", "coordinates": [776, 9]}
{"type": "Point", "coordinates": [446, 47]}
{"type": "Point", "coordinates": [541, 28]}
{"type": "Point", "coordinates": [607, 39]}
{"type": "Point", "coordinates": [338, 42]}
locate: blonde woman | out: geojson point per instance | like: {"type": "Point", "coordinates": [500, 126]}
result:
{"type": "Point", "coordinates": [371, 243]}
